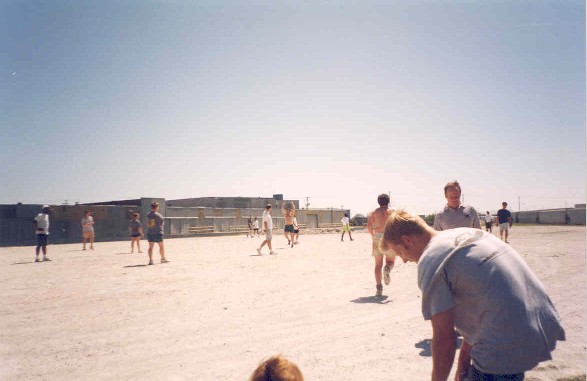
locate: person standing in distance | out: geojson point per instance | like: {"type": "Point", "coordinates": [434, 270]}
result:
{"type": "Point", "coordinates": [454, 214]}
{"type": "Point", "coordinates": [375, 225]}
{"type": "Point", "coordinates": [155, 232]}
{"type": "Point", "coordinates": [488, 222]}
{"type": "Point", "coordinates": [136, 232]}
{"type": "Point", "coordinates": [505, 220]}
{"type": "Point", "coordinates": [88, 229]}
{"type": "Point", "coordinates": [346, 227]}
{"type": "Point", "coordinates": [477, 286]}
{"type": "Point", "coordinates": [267, 229]}
{"type": "Point", "coordinates": [41, 226]}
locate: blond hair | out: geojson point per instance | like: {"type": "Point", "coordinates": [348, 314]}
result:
{"type": "Point", "coordinates": [277, 368]}
{"type": "Point", "coordinates": [401, 223]}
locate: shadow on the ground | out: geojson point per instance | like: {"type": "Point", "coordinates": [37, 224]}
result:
{"type": "Point", "coordinates": [425, 346]}
{"type": "Point", "coordinates": [372, 299]}
{"type": "Point", "coordinates": [25, 263]}
{"type": "Point", "coordinates": [124, 253]}
{"type": "Point", "coordinates": [129, 266]}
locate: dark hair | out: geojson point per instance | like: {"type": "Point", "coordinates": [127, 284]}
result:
{"type": "Point", "coordinates": [346, 214]}
{"type": "Point", "coordinates": [87, 211]}
{"type": "Point", "coordinates": [453, 184]}
{"type": "Point", "coordinates": [135, 214]}
{"type": "Point", "coordinates": [154, 205]}
{"type": "Point", "coordinates": [268, 206]}
{"type": "Point", "coordinates": [383, 199]}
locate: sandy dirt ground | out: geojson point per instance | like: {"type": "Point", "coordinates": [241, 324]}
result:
{"type": "Point", "coordinates": [217, 309]}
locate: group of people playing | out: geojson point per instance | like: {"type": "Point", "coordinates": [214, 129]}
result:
{"type": "Point", "coordinates": [291, 229]}
{"type": "Point", "coordinates": [154, 232]}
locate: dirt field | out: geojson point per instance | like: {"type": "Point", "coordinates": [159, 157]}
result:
{"type": "Point", "coordinates": [217, 309]}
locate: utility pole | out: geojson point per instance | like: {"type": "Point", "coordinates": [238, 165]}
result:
{"type": "Point", "coordinates": [307, 202]}
{"type": "Point", "coordinates": [518, 203]}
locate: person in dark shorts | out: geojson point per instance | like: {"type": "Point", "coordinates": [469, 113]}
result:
{"type": "Point", "coordinates": [155, 232]}
{"type": "Point", "coordinates": [136, 232]}
{"type": "Point", "coordinates": [41, 226]}
{"type": "Point", "coordinates": [488, 222]}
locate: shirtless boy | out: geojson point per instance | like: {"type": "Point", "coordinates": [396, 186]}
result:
{"type": "Point", "coordinates": [376, 227]}
{"type": "Point", "coordinates": [289, 213]}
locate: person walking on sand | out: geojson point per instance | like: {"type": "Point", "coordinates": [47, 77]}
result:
{"type": "Point", "coordinates": [346, 227]}
{"type": "Point", "coordinates": [88, 229]}
{"type": "Point", "coordinates": [41, 226]}
{"type": "Point", "coordinates": [454, 214]}
{"type": "Point", "coordinates": [488, 222]}
{"type": "Point", "coordinates": [250, 226]}
{"type": "Point", "coordinates": [267, 229]}
{"type": "Point", "coordinates": [505, 220]}
{"type": "Point", "coordinates": [477, 286]}
{"type": "Point", "coordinates": [256, 226]}
{"type": "Point", "coordinates": [155, 232]}
{"type": "Point", "coordinates": [136, 232]}
{"type": "Point", "coordinates": [289, 213]}
{"type": "Point", "coordinates": [375, 225]}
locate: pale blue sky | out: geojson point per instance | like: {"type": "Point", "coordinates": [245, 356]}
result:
{"type": "Point", "coordinates": [334, 100]}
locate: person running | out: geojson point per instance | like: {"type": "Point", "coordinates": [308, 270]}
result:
{"type": "Point", "coordinates": [267, 229]}
{"type": "Point", "coordinates": [375, 226]}
{"type": "Point", "coordinates": [250, 226]}
{"type": "Point", "coordinates": [505, 220]}
{"type": "Point", "coordinates": [289, 213]}
{"type": "Point", "coordinates": [155, 232]}
{"type": "Point", "coordinates": [488, 222]}
{"type": "Point", "coordinates": [88, 229]}
{"type": "Point", "coordinates": [346, 227]}
{"type": "Point", "coordinates": [256, 226]}
{"type": "Point", "coordinates": [136, 232]}
{"type": "Point", "coordinates": [477, 286]}
{"type": "Point", "coordinates": [296, 231]}
{"type": "Point", "coordinates": [41, 226]}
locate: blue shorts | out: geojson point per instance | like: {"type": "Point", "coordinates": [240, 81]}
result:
{"type": "Point", "coordinates": [477, 375]}
{"type": "Point", "coordinates": [289, 229]}
{"type": "Point", "coordinates": [154, 237]}
{"type": "Point", "coordinates": [41, 240]}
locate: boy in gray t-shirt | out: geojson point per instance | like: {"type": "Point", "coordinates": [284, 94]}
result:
{"type": "Point", "coordinates": [475, 284]}
{"type": "Point", "coordinates": [155, 232]}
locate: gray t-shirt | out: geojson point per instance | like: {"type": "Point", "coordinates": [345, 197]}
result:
{"type": "Point", "coordinates": [155, 223]}
{"type": "Point", "coordinates": [87, 220]}
{"type": "Point", "coordinates": [462, 217]}
{"type": "Point", "coordinates": [499, 305]}
{"type": "Point", "coordinates": [134, 226]}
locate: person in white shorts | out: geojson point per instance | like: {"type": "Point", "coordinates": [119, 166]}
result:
{"type": "Point", "coordinates": [267, 229]}
{"type": "Point", "coordinates": [505, 220]}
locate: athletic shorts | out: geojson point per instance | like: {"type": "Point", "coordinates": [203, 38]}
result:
{"type": "Point", "coordinates": [135, 235]}
{"type": "Point", "coordinates": [41, 239]}
{"type": "Point", "coordinates": [378, 253]}
{"type": "Point", "coordinates": [346, 228]}
{"type": "Point", "coordinates": [256, 230]}
{"type": "Point", "coordinates": [268, 235]}
{"type": "Point", "coordinates": [488, 225]}
{"type": "Point", "coordinates": [88, 234]}
{"type": "Point", "coordinates": [477, 375]}
{"type": "Point", "coordinates": [296, 231]}
{"type": "Point", "coordinates": [504, 226]}
{"type": "Point", "coordinates": [155, 237]}
{"type": "Point", "coordinates": [289, 229]}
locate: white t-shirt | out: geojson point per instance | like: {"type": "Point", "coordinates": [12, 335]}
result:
{"type": "Point", "coordinates": [345, 221]}
{"type": "Point", "coordinates": [87, 220]}
{"type": "Point", "coordinates": [499, 305]}
{"type": "Point", "coordinates": [42, 222]}
{"type": "Point", "coordinates": [488, 218]}
{"type": "Point", "coordinates": [267, 218]}
{"type": "Point", "coordinates": [256, 224]}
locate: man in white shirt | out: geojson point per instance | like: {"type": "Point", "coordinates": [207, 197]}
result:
{"type": "Point", "coordinates": [346, 227]}
{"type": "Point", "coordinates": [488, 222]}
{"type": "Point", "coordinates": [41, 226]}
{"type": "Point", "coordinates": [267, 229]}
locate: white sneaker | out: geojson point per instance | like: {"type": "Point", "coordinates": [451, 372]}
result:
{"type": "Point", "coordinates": [272, 252]}
{"type": "Point", "coordinates": [259, 251]}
